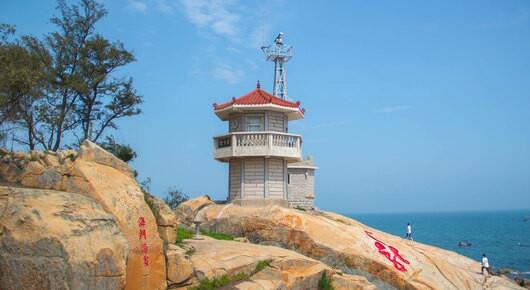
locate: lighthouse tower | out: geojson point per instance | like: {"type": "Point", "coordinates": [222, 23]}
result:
{"type": "Point", "coordinates": [258, 146]}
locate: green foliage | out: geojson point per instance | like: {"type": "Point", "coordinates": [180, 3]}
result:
{"type": "Point", "coordinates": [174, 197]}
{"type": "Point", "coordinates": [64, 86]}
{"type": "Point", "coordinates": [145, 185]}
{"type": "Point", "coordinates": [216, 283]}
{"type": "Point", "coordinates": [300, 208]}
{"type": "Point", "coordinates": [262, 265]}
{"type": "Point", "coordinates": [218, 236]}
{"type": "Point", "coordinates": [225, 280]}
{"type": "Point", "coordinates": [122, 151]}
{"type": "Point", "coordinates": [183, 234]}
{"type": "Point", "coordinates": [325, 283]}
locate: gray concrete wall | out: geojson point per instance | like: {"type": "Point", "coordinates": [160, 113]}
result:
{"type": "Point", "coordinates": [301, 187]}
{"type": "Point", "coordinates": [257, 178]}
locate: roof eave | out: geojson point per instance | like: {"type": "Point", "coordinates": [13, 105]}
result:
{"type": "Point", "coordinates": [293, 113]}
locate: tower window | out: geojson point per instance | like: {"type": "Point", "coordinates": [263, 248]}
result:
{"type": "Point", "coordinates": [254, 123]}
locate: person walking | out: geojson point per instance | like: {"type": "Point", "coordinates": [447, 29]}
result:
{"type": "Point", "coordinates": [409, 232]}
{"type": "Point", "coordinates": [485, 264]}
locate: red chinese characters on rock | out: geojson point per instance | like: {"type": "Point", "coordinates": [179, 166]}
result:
{"type": "Point", "coordinates": [391, 253]}
{"type": "Point", "coordinates": [142, 235]}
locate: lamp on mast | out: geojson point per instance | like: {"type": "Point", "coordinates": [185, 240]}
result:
{"type": "Point", "coordinates": [279, 54]}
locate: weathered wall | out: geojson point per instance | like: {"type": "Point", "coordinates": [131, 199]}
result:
{"type": "Point", "coordinates": [276, 181]}
{"type": "Point", "coordinates": [301, 187]}
{"type": "Point", "coordinates": [253, 178]}
{"type": "Point", "coordinates": [234, 186]}
{"type": "Point", "coordinates": [276, 122]}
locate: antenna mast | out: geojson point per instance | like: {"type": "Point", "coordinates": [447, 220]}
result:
{"type": "Point", "coordinates": [279, 54]}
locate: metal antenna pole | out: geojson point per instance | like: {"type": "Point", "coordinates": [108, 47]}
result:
{"type": "Point", "coordinates": [279, 54]}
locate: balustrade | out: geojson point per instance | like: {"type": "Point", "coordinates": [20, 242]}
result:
{"type": "Point", "coordinates": [240, 144]}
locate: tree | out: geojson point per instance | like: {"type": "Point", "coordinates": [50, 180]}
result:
{"type": "Point", "coordinates": [23, 82]}
{"type": "Point", "coordinates": [122, 151]}
{"type": "Point", "coordinates": [81, 98]}
{"type": "Point", "coordinates": [104, 98]}
{"type": "Point", "coordinates": [174, 197]}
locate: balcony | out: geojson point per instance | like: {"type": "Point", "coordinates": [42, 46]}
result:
{"type": "Point", "coordinates": [258, 144]}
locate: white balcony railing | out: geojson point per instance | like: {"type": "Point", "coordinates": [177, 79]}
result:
{"type": "Point", "coordinates": [241, 144]}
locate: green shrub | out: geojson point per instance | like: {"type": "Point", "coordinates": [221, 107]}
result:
{"type": "Point", "coordinates": [218, 236]}
{"type": "Point", "coordinates": [262, 265]}
{"type": "Point", "coordinates": [216, 283]}
{"type": "Point", "coordinates": [183, 234]}
{"type": "Point", "coordinates": [325, 283]}
{"type": "Point", "coordinates": [300, 208]}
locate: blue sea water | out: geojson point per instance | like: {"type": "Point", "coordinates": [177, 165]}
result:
{"type": "Point", "coordinates": [504, 236]}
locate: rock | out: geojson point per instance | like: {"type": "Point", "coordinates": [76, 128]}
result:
{"type": "Point", "coordinates": [99, 175]}
{"type": "Point", "coordinates": [286, 269]}
{"type": "Point", "coordinates": [91, 152]}
{"type": "Point", "coordinates": [350, 282]}
{"type": "Point", "coordinates": [187, 210]}
{"type": "Point", "coordinates": [119, 194]}
{"type": "Point", "coordinates": [345, 244]}
{"type": "Point", "coordinates": [58, 240]}
{"type": "Point", "coordinates": [165, 218]}
{"type": "Point", "coordinates": [241, 240]}
{"type": "Point", "coordinates": [179, 267]}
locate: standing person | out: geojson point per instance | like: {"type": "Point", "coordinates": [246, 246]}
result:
{"type": "Point", "coordinates": [409, 232]}
{"type": "Point", "coordinates": [485, 264]}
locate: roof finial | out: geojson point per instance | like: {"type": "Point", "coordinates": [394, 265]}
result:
{"type": "Point", "coordinates": [258, 86]}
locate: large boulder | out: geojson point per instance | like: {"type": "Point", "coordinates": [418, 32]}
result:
{"type": "Point", "coordinates": [179, 267]}
{"type": "Point", "coordinates": [348, 245]}
{"type": "Point", "coordinates": [187, 210]}
{"type": "Point", "coordinates": [165, 218]}
{"type": "Point", "coordinates": [57, 240]}
{"type": "Point", "coordinates": [279, 269]}
{"type": "Point", "coordinates": [99, 175]}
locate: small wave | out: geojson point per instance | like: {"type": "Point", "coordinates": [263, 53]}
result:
{"type": "Point", "coordinates": [520, 273]}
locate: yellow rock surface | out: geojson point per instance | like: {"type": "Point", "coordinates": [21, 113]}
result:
{"type": "Point", "coordinates": [344, 243]}
{"type": "Point", "coordinates": [58, 240]}
{"type": "Point", "coordinates": [99, 175]}
{"type": "Point", "coordinates": [287, 269]}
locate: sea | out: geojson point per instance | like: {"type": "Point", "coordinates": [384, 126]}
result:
{"type": "Point", "coordinates": [504, 236]}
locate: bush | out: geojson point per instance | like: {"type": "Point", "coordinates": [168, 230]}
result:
{"type": "Point", "coordinates": [122, 151]}
{"type": "Point", "coordinates": [325, 283]}
{"type": "Point", "coordinates": [262, 265]}
{"type": "Point", "coordinates": [218, 236]}
{"type": "Point", "coordinates": [183, 234]}
{"type": "Point", "coordinates": [216, 283]}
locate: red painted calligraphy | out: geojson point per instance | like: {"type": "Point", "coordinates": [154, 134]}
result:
{"type": "Point", "coordinates": [142, 235]}
{"type": "Point", "coordinates": [392, 254]}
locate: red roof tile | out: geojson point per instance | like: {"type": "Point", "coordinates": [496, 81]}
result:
{"type": "Point", "coordinates": [258, 97]}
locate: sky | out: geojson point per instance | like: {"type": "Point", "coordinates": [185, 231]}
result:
{"type": "Point", "coordinates": [411, 106]}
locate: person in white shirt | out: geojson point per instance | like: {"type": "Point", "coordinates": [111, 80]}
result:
{"type": "Point", "coordinates": [485, 264]}
{"type": "Point", "coordinates": [409, 232]}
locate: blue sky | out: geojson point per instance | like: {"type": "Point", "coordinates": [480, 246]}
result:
{"type": "Point", "coordinates": [411, 105]}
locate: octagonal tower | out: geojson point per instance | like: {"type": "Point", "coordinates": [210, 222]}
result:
{"type": "Point", "coordinates": [258, 146]}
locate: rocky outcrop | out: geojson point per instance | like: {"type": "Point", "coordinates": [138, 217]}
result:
{"type": "Point", "coordinates": [279, 269]}
{"type": "Point", "coordinates": [99, 175]}
{"type": "Point", "coordinates": [179, 267]}
{"type": "Point", "coordinates": [346, 244]}
{"type": "Point", "coordinates": [187, 211]}
{"type": "Point", "coordinates": [58, 240]}
{"type": "Point", "coordinates": [165, 218]}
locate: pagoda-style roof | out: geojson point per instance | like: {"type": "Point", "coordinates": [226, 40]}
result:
{"type": "Point", "coordinates": [259, 100]}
